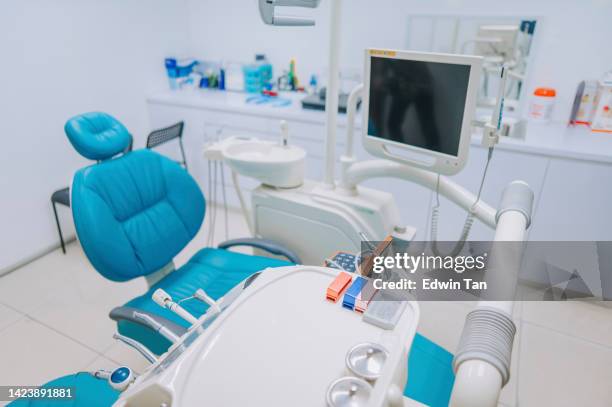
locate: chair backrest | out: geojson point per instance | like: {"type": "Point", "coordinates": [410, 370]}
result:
{"type": "Point", "coordinates": [166, 134]}
{"type": "Point", "coordinates": [133, 213]}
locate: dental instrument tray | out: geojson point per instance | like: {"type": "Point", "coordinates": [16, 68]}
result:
{"type": "Point", "coordinates": [278, 343]}
{"type": "Point", "coordinates": [343, 261]}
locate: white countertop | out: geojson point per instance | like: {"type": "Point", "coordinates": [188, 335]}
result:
{"type": "Point", "coordinates": [235, 102]}
{"type": "Point", "coordinates": [555, 140]}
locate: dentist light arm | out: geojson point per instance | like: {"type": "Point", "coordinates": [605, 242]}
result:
{"type": "Point", "coordinates": [266, 9]}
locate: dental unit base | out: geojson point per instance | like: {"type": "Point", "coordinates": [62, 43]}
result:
{"type": "Point", "coordinates": [326, 218]}
{"type": "Point", "coordinates": [264, 342]}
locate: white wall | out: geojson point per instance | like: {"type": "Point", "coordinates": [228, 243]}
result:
{"type": "Point", "coordinates": [573, 37]}
{"type": "Point", "coordinates": [63, 57]}
{"type": "Point", "coordinates": [60, 58]}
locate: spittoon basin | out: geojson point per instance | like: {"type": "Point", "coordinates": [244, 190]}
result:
{"type": "Point", "coordinates": [271, 163]}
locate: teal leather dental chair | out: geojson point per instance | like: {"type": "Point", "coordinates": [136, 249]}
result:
{"type": "Point", "coordinates": [134, 212]}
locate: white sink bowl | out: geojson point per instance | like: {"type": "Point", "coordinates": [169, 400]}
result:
{"type": "Point", "coordinates": [271, 163]}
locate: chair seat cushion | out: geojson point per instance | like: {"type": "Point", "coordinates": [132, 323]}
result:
{"type": "Point", "coordinates": [214, 270]}
{"type": "Point", "coordinates": [88, 391]}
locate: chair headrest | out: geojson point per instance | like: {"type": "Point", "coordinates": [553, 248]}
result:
{"type": "Point", "coordinates": [97, 135]}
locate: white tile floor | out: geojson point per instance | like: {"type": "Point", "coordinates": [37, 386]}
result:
{"type": "Point", "coordinates": [53, 320]}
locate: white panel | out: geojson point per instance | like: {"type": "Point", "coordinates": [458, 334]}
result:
{"type": "Point", "coordinates": [420, 33]}
{"type": "Point", "coordinates": [239, 121]}
{"type": "Point", "coordinates": [281, 226]}
{"type": "Point", "coordinates": [443, 39]}
{"type": "Point", "coordinates": [412, 200]}
{"type": "Point", "coordinates": [575, 203]}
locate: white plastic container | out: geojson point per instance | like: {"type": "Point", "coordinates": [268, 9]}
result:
{"type": "Point", "coordinates": [542, 105]}
{"type": "Point", "coordinates": [234, 79]}
{"type": "Point", "coordinates": [602, 120]}
{"type": "Point", "coordinates": [587, 103]}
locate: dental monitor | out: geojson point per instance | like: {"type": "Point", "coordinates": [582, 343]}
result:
{"type": "Point", "coordinates": [418, 107]}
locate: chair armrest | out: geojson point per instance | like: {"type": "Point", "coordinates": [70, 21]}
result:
{"type": "Point", "coordinates": [267, 245]}
{"type": "Point", "coordinates": [127, 314]}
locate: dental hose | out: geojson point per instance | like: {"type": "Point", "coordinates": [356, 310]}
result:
{"type": "Point", "coordinates": [212, 194]}
{"type": "Point", "coordinates": [469, 220]}
{"type": "Point", "coordinates": [225, 214]}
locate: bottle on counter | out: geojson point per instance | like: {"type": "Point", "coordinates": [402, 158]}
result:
{"type": "Point", "coordinates": [252, 78]}
{"type": "Point", "coordinates": [265, 69]}
{"type": "Point", "coordinates": [313, 85]}
{"type": "Point", "coordinates": [258, 75]}
{"type": "Point", "coordinates": [542, 104]}
{"type": "Point", "coordinates": [222, 77]}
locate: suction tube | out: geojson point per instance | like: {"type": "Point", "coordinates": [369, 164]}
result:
{"type": "Point", "coordinates": [482, 362]}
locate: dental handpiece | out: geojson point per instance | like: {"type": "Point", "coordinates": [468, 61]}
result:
{"type": "Point", "coordinates": [163, 299]}
{"type": "Point", "coordinates": [143, 350]}
{"type": "Point", "coordinates": [102, 374]}
{"type": "Point", "coordinates": [202, 296]}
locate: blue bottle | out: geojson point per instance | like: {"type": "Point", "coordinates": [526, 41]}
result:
{"type": "Point", "coordinates": [252, 78]}
{"type": "Point", "coordinates": [265, 68]}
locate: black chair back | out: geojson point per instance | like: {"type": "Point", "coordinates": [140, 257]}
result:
{"type": "Point", "coordinates": [167, 134]}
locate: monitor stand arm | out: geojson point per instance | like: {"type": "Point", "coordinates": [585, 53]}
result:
{"type": "Point", "coordinates": [361, 171]}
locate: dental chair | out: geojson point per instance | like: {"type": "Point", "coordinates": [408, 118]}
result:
{"type": "Point", "coordinates": [134, 213]}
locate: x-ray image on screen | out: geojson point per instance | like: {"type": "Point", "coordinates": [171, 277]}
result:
{"type": "Point", "coordinates": [418, 103]}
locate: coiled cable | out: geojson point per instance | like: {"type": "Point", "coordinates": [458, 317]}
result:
{"type": "Point", "coordinates": [469, 220]}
